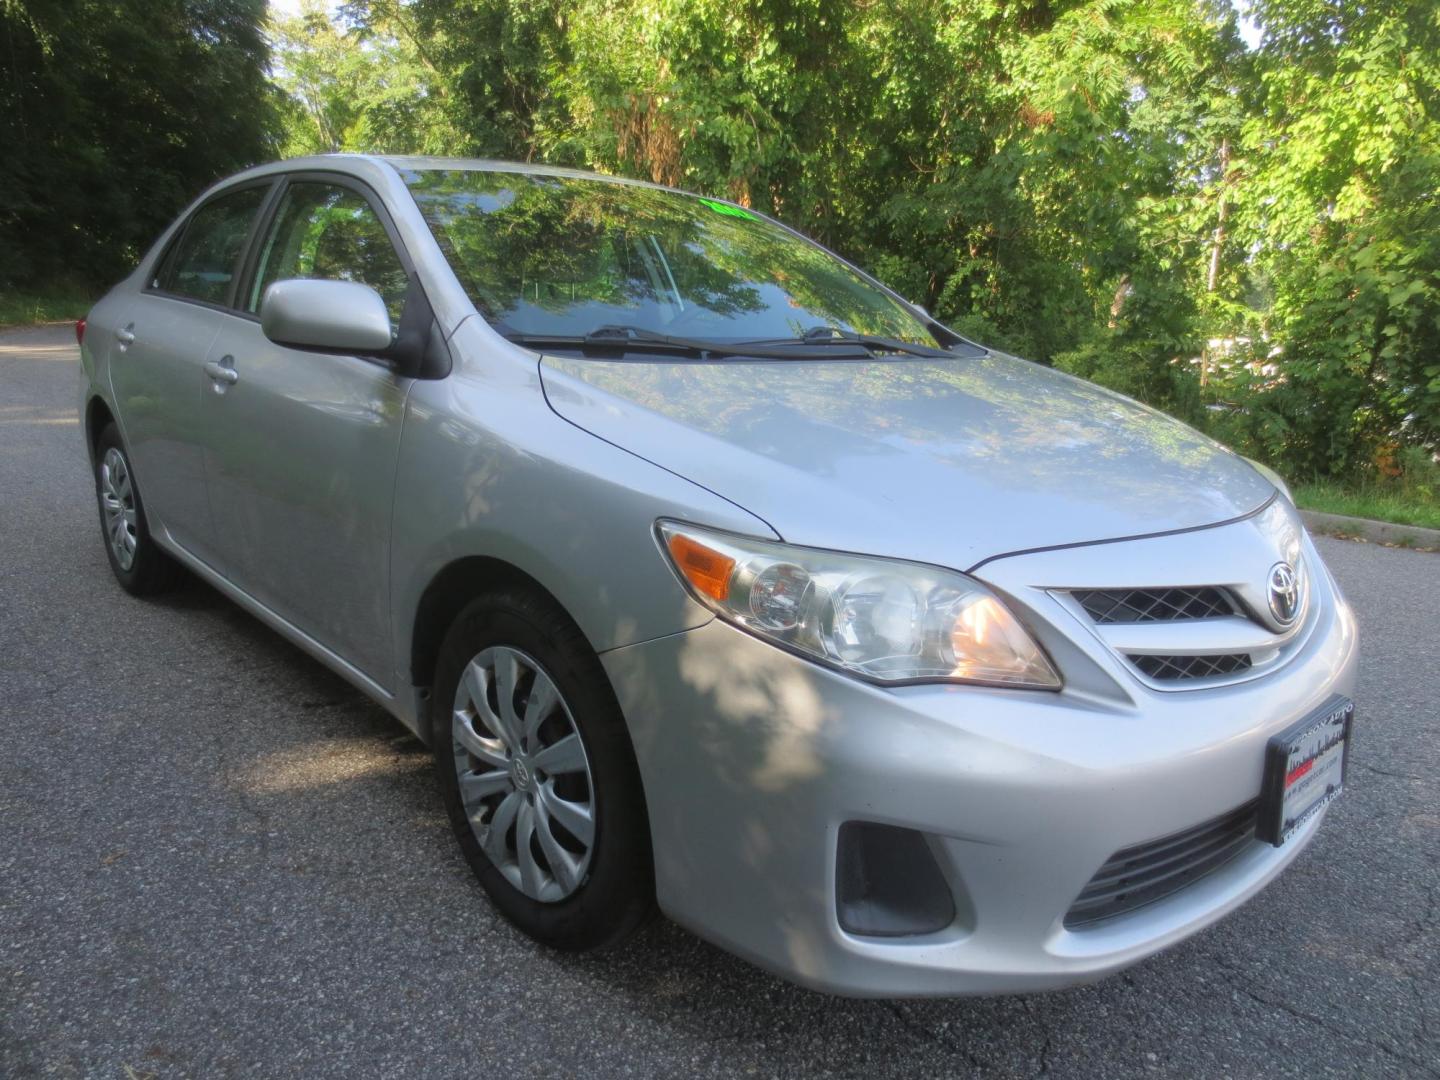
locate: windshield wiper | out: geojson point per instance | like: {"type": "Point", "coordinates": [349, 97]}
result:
{"type": "Point", "coordinates": [640, 339]}
{"type": "Point", "coordinates": [822, 335]}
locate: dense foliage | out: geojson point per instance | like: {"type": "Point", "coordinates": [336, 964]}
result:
{"type": "Point", "coordinates": [1247, 237]}
{"type": "Point", "coordinates": [113, 114]}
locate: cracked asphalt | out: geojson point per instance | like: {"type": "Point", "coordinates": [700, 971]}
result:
{"type": "Point", "coordinates": [217, 860]}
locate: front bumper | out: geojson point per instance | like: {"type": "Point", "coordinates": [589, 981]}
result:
{"type": "Point", "coordinates": [753, 759]}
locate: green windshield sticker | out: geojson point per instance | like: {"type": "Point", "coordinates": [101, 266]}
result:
{"type": "Point", "coordinates": [728, 210]}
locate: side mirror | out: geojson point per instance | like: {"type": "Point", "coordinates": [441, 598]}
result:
{"type": "Point", "coordinates": [327, 316]}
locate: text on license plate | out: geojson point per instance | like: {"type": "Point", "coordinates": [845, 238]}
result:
{"type": "Point", "coordinates": [1304, 770]}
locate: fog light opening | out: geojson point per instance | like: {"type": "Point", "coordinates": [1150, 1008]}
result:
{"type": "Point", "coordinates": [887, 883]}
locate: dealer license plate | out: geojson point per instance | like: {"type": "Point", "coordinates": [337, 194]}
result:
{"type": "Point", "coordinates": [1304, 770]}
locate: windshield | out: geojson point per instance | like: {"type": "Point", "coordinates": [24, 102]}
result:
{"type": "Point", "coordinates": [557, 255]}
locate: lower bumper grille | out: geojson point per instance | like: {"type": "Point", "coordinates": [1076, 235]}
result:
{"type": "Point", "coordinates": [1140, 875]}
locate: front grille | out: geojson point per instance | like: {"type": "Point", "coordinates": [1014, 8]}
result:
{"type": "Point", "coordinates": [1171, 668]}
{"type": "Point", "coordinates": [1153, 605]}
{"type": "Point", "coordinates": [1140, 875]}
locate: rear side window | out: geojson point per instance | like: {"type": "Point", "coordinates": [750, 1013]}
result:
{"type": "Point", "coordinates": [207, 258]}
{"type": "Point", "coordinates": [325, 231]}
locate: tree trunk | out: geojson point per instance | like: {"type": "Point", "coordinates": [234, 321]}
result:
{"type": "Point", "coordinates": [1216, 244]}
{"type": "Point", "coordinates": [1117, 302]}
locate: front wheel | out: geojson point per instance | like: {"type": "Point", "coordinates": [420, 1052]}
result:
{"type": "Point", "coordinates": [538, 774]}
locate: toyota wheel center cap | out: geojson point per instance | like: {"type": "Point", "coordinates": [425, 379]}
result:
{"type": "Point", "coordinates": [520, 773]}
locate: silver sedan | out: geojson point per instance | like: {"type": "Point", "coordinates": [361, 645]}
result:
{"type": "Point", "coordinates": [720, 578]}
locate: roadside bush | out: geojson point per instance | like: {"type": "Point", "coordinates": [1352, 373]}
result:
{"type": "Point", "coordinates": [1143, 351]}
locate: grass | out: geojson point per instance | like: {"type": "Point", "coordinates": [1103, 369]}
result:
{"type": "Point", "coordinates": [53, 305]}
{"type": "Point", "coordinates": [1400, 503]}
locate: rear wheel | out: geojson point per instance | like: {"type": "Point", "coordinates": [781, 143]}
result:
{"type": "Point", "coordinates": [538, 774]}
{"type": "Point", "coordinates": [139, 566]}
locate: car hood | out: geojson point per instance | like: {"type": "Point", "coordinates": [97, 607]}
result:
{"type": "Point", "coordinates": [942, 461]}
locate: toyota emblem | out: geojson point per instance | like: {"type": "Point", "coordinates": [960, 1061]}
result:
{"type": "Point", "coordinates": [1284, 593]}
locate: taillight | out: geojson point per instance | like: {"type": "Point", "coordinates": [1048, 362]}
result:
{"type": "Point", "coordinates": [79, 331]}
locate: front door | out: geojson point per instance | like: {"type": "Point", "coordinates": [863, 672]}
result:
{"type": "Point", "coordinates": [302, 446]}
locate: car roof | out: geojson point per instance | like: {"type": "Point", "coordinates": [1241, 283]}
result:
{"type": "Point", "coordinates": [365, 164]}
{"type": "Point", "coordinates": [419, 162]}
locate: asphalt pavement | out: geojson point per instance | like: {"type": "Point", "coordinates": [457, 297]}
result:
{"type": "Point", "coordinates": [217, 859]}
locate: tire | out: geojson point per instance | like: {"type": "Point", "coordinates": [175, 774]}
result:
{"type": "Point", "coordinates": [138, 564]}
{"type": "Point", "coordinates": [569, 895]}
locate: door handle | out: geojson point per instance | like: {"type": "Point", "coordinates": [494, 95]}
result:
{"type": "Point", "coordinates": [125, 337]}
{"type": "Point", "coordinates": [221, 373]}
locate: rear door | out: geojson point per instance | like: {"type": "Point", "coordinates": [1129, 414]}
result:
{"type": "Point", "coordinates": [301, 446]}
{"type": "Point", "coordinates": [157, 360]}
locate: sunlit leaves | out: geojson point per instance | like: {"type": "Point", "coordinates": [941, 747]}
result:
{"type": "Point", "coordinates": [1118, 186]}
{"type": "Point", "coordinates": [1341, 204]}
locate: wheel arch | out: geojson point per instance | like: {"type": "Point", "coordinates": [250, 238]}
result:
{"type": "Point", "coordinates": [453, 587]}
{"type": "Point", "coordinates": [97, 415]}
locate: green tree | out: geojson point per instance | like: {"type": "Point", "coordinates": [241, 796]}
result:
{"type": "Point", "coordinates": [362, 81]}
{"type": "Point", "coordinates": [1341, 206]}
{"type": "Point", "coordinates": [114, 113]}
{"type": "Point", "coordinates": [1119, 187]}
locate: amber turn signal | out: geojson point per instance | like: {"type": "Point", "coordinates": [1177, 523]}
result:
{"type": "Point", "coordinates": [707, 570]}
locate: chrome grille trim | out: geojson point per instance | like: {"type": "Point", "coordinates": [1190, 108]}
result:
{"type": "Point", "coordinates": [1166, 604]}
{"type": "Point", "coordinates": [1142, 874]}
{"type": "Point", "coordinates": [1185, 638]}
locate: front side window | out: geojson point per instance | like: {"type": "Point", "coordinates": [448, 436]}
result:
{"type": "Point", "coordinates": [541, 254]}
{"type": "Point", "coordinates": [329, 232]}
{"type": "Point", "coordinates": [206, 259]}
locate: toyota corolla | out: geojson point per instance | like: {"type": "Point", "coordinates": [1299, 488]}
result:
{"type": "Point", "coordinates": [720, 578]}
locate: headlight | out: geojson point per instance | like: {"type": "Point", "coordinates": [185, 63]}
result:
{"type": "Point", "coordinates": [885, 620]}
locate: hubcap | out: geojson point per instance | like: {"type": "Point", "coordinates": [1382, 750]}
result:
{"type": "Point", "coordinates": [117, 503]}
{"type": "Point", "coordinates": [524, 777]}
